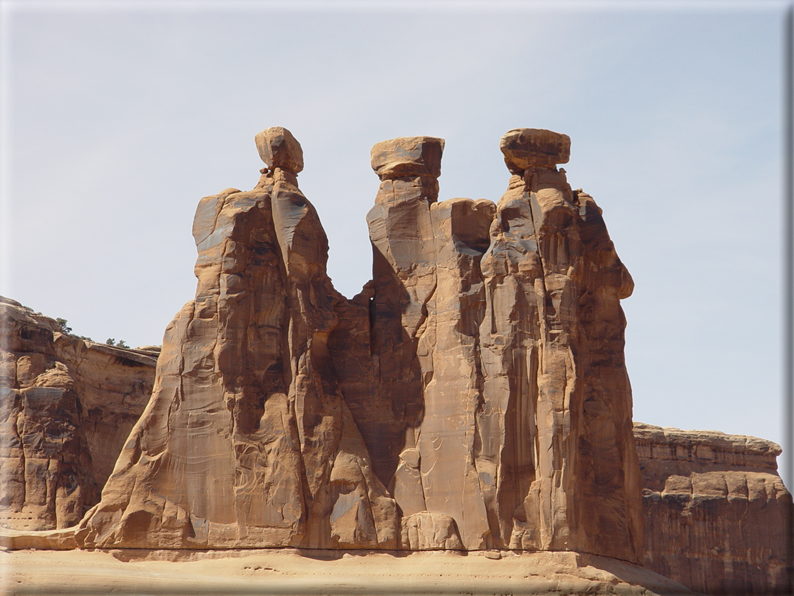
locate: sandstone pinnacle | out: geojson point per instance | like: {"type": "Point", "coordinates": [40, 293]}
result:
{"type": "Point", "coordinates": [474, 396]}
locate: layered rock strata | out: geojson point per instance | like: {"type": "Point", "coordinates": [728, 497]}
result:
{"type": "Point", "coordinates": [247, 440]}
{"type": "Point", "coordinates": [717, 516]}
{"type": "Point", "coordinates": [66, 407]}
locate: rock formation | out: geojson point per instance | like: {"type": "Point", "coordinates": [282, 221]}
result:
{"type": "Point", "coordinates": [473, 396]}
{"type": "Point", "coordinates": [247, 440]}
{"type": "Point", "coordinates": [66, 407]}
{"type": "Point", "coordinates": [717, 516]}
{"type": "Point", "coordinates": [484, 323]}
{"type": "Point", "coordinates": [282, 411]}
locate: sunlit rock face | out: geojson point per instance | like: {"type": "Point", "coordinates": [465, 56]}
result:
{"type": "Point", "coordinates": [501, 398]}
{"type": "Point", "coordinates": [474, 395]}
{"type": "Point", "coordinates": [66, 406]}
{"type": "Point", "coordinates": [247, 440]}
{"type": "Point", "coordinates": [717, 516]}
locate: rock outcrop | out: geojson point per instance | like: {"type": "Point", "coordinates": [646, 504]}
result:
{"type": "Point", "coordinates": [484, 322]}
{"type": "Point", "coordinates": [247, 440]}
{"type": "Point", "coordinates": [717, 516]}
{"type": "Point", "coordinates": [473, 396]}
{"type": "Point", "coordinates": [282, 411]}
{"type": "Point", "coordinates": [66, 408]}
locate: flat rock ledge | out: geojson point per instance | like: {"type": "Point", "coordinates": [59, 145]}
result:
{"type": "Point", "coordinates": [293, 571]}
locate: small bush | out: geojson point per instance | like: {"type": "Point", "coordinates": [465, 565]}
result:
{"type": "Point", "coordinates": [62, 324]}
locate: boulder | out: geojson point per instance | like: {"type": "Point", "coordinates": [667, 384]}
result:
{"type": "Point", "coordinates": [429, 531]}
{"type": "Point", "coordinates": [534, 148]}
{"type": "Point", "coordinates": [473, 396]}
{"type": "Point", "coordinates": [279, 149]}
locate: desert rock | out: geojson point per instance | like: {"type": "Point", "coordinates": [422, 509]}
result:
{"type": "Point", "coordinates": [717, 516]}
{"type": "Point", "coordinates": [534, 148]}
{"type": "Point", "coordinates": [67, 406]}
{"type": "Point", "coordinates": [485, 321]}
{"type": "Point", "coordinates": [430, 531]}
{"type": "Point", "coordinates": [279, 149]}
{"type": "Point", "coordinates": [286, 571]}
{"type": "Point", "coordinates": [247, 440]}
{"type": "Point", "coordinates": [282, 411]}
{"type": "Point", "coordinates": [473, 396]}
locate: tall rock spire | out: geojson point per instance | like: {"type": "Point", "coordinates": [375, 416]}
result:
{"type": "Point", "coordinates": [552, 349]}
{"type": "Point", "coordinates": [246, 440]}
{"type": "Point", "coordinates": [497, 349]}
{"type": "Point", "coordinates": [474, 395]}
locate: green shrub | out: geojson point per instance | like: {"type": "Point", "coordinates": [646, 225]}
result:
{"type": "Point", "coordinates": [62, 324]}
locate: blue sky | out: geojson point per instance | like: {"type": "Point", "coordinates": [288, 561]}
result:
{"type": "Point", "coordinates": [118, 117]}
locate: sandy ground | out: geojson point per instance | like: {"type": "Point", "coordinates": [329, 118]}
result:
{"type": "Point", "coordinates": [128, 572]}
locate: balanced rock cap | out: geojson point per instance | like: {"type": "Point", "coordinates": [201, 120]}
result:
{"type": "Point", "coordinates": [407, 156]}
{"type": "Point", "coordinates": [279, 149]}
{"type": "Point", "coordinates": [534, 148]}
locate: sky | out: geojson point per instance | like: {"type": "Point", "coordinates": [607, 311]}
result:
{"type": "Point", "coordinates": [117, 117]}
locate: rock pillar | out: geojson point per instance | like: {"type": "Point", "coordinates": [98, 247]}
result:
{"type": "Point", "coordinates": [247, 441]}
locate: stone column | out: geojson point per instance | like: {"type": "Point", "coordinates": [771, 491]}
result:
{"type": "Point", "coordinates": [552, 354]}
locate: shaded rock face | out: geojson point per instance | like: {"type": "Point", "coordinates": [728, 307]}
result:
{"type": "Point", "coordinates": [467, 372]}
{"type": "Point", "coordinates": [474, 395]}
{"type": "Point", "coordinates": [717, 516]}
{"type": "Point", "coordinates": [66, 407]}
{"type": "Point", "coordinates": [247, 440]}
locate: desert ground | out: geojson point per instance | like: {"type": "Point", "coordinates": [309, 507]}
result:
{"type": "Point", "coordinates": [322, 572]}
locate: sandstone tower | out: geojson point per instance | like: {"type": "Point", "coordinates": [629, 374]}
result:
{"type": "Point", "coordinates": [473, 396]}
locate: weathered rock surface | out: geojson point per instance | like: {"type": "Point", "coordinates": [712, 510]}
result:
{"type": "Point", "coordinates": [247, 440]}
{"type": "Point", "coordinates": [473, 396]}
{"type": "Point", "coordinates": [66, 408]}
{"type": "Point", "coordinates": [455, 379]}
{"type": "Point", "coordinates": [717, 516]}
{"type": "Point", "coordinates": [484, 322]}
{"type": "Point", "coordinates": [282, 411]}
{"type": "Point", "coordinates": [430, 531]}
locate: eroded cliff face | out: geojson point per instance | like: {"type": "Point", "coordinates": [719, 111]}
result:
{"type": "Point", "coordinates": [444, 407]}
{"type": "Point", "coordinates": [66, 408]}
{"type": "Point", "coordinates": [485, 321]}
{"type": "Point", "coordinates": [473, 396]}
{"type": "Point", "coordinates": [717, 516]}
{"type": "Point", "coordinates": [247, 440]}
